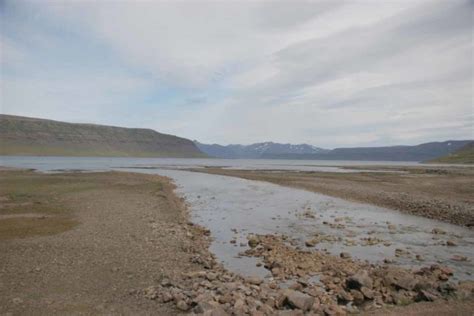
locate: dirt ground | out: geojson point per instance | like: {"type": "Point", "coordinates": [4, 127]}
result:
{"type": "Point", "coordinates": [445, 194]}
{"type": "Point", "coordinates": [84, 243]}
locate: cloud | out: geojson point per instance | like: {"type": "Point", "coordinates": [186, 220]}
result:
{"type": "Point", "coordinates": [330, 73]}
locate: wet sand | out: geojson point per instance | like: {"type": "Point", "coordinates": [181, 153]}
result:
{"type": "Point", "coordinates": [441, 193]}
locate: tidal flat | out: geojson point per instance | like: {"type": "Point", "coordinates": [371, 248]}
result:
{"type": "Point", "coordinates": [175, 241]}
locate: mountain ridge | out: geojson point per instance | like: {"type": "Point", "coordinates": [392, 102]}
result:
{"type": "Point", "coordinates": [255, 151]}
{"type": "Point", "coordinates": [421, 152]}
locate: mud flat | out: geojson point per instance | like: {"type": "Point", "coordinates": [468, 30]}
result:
{"type": "Point", "coordinates": [436, 192]}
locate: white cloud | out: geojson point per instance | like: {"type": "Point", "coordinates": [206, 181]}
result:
{"type": "Point", "coordinates": [330, 73]}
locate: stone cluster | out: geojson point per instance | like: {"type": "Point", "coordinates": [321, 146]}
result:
{"type": "Point", "coordinates": [303, 282]}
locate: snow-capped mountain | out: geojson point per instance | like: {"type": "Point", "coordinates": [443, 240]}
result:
{"type": "Point", "coordinates": [258, 150]}
{"type": "Point", "coordinates": [269, 150]}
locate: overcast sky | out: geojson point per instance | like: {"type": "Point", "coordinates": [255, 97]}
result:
{"type": "Point", "coordinates": [327, 73]}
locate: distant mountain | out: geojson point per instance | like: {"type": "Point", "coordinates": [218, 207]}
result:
{"type": "Point", "coordinates": [270, 150]}
{"type": "Point", "coordinates": [31, 136]}
{"type": "Point", "coordinates": [464, 155]}
{"type": "Point", "coordinates": [258, 150]}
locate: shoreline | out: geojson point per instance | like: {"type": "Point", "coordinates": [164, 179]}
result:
{"type": "Point", "coordinates": [134, 251]}
{"type": "Point", "coordinates": [445, 194]}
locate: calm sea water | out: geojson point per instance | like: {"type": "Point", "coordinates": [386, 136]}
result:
{"type": "Point", "coordinates": [107, 163]}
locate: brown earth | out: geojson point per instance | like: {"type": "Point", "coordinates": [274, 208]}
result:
{"type": "Point", "coordinates": [445, 194]}
{"type": "Point", "coordinates": [129, 249]}
{"type": "Point", "coordinates": [81, 243]}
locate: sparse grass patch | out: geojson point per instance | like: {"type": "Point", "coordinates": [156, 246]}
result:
{"type": "Point", "coordinates": [29, 192]}
{"type": "Point", "coordinates": [23, 227]}
{"type": "Point", "coordinates": [24, 193]}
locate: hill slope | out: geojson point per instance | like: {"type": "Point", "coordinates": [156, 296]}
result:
{"type": "Point", "coordinates": [464, 155]}
{"type": "Point", "coordinates": [31, 136]}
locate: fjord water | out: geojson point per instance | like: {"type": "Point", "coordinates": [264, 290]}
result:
{"type": "Point", "coordinates": [107, 163]}
{"type": "Point", "coordinates": [233, 208]}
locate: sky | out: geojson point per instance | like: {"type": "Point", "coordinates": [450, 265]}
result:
{"type": "Point", "coordinates": [327, 73]}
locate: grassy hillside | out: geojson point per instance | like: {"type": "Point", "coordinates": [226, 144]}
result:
{"type": "Point", "coordinates": [30, 136]}
{"type": "Point", "coordinates": [465, 155]}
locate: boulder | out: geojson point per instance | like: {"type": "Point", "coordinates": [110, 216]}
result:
{"type": "Point", "coordinates": [359, 280]}
{"type": "Point", "coordinates": [299, 300]}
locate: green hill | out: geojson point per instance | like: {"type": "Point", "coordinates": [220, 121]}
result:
{"type": "Point", "coordinates": [464, 155]}
{"type": "Point", "coordinates": [39, 137]}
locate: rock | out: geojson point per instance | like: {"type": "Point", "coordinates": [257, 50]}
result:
{"type": "Point", "coordinates": [299, 300]}
{"type": "Point", "coordinates": [358, 297]}
{"type": "Point", "coordinates": [344, 296]}
{"type": "Point", "coordinates": [296, 286]}
{"type": "Point", "coordinates": [359, 280]}
{"type": "Point", "coordinates": [226, 298]}
{"type": "Point", "coordinates": [459, 258]}
{"type": "Point", "coordinates": [276, 272]}
{"type": "Point", "coordinates": [446, 270]}
{"type": "Point", "coordinates": [447, 288]}
{"type": "Point", "coordinates": [254, 280]}
{"type": "Point", "coordinates": [451, 243]}
{"type": "Point", "coordinates": [211, 276]}
{"type": "Point", "coordinates": [150, 293]}
{"type": "Point", "coordinates": [438, 231]}
{"type": "Point", "coordinates": [182, 305]}
{"type": "Point", "coordinates": [267, 309]}
{"type": "Point", "coordinates": [311, 242]}
{"type": "Point", "coordinates": [166, 297]}
{"type": "Point", "coordinates": [290, 313]}
{"type": "Point", "coordinates": [253, 241]}
{"type": "Point", "coordinates": [239, 304]}
{"type": "Point", "coordinates": [424, 295]}
{"type": "Point", "coordinates": [17, 300]}
{"type": "Point", "coordinates": [210, 308]}
{"type": "Point", "coordinates": [368, 293]}
{"type": "Point", "coordinates": [333, 309]}
{"type": "Point", "coordinates": [218, 311]}
{"type": "Point", "coordinates": [166, 283]}
{"type": "Point", "coordinates": [406, 282]}
{"type": "Point", "coordinates": [345, 255]}
{"type": "Point", "coordinates": [401, 299]}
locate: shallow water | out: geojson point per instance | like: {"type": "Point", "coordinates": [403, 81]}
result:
{"type": "Point", "coordinates": [233, 208]}
{"type": "Point", "coordinates": [226, 204]}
